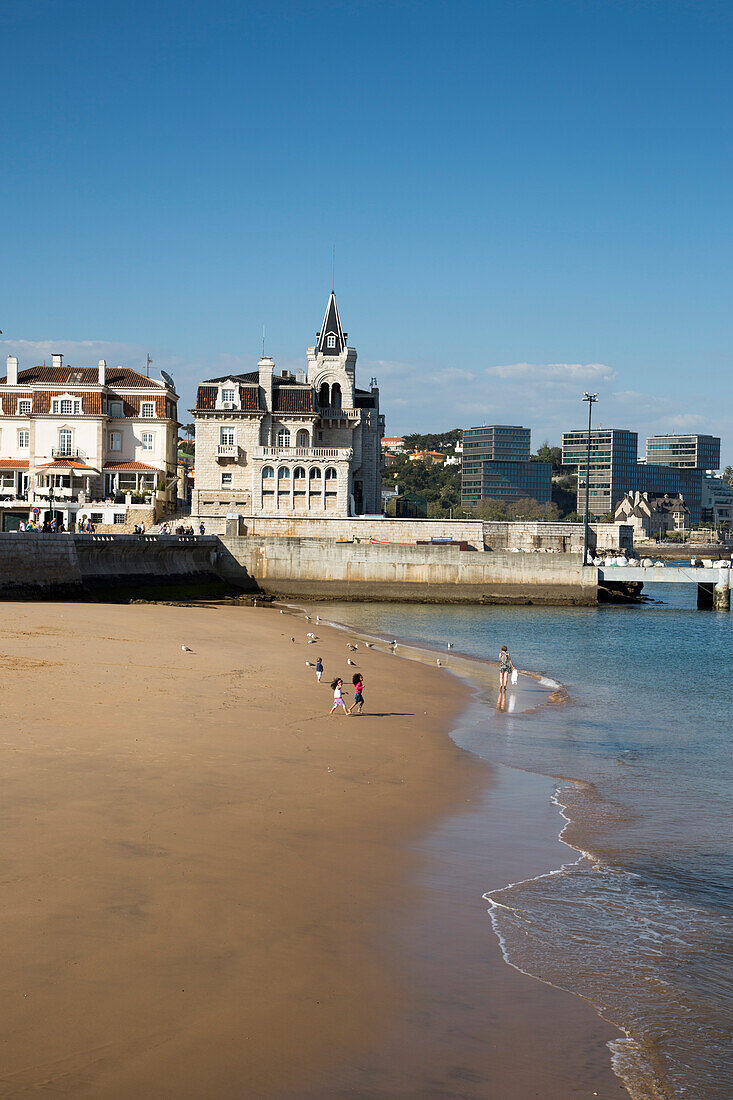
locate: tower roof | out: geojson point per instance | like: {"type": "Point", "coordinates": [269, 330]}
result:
{"type": "Point", "coordinates": [331, 338]}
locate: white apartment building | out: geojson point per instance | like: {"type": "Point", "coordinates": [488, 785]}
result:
{"type": "Point", "coordinates": [84, 440]}
{"type": "Point", "coordinates": [277, 444]}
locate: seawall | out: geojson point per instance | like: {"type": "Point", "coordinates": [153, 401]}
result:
{"type": "Point", "coordinates": [38, 566]}
{"type": "Point", "coordinates": [325, 569]}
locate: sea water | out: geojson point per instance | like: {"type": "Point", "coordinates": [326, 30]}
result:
{"type": "Point", "coordinates": [639, 920]}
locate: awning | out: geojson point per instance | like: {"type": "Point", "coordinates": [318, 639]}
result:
{"type": "Point", "coordinates": [65, 466]}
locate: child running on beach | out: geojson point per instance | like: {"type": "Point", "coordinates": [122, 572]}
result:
{"type": "Point", "coordinates": [338, 700]}
{"type": "Point", "coordinates": [319, 669]}
{"type": "Point", "coordinates": [505, 667]}
{"type": "Point", "coordinates": [358, 681]}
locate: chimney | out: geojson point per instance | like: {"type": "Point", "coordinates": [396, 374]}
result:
{"type": "Point", "coordinates": [12, 364]}
{"type": "Point", "coordinates": [266, 367]}
{"type": "Point", "coordinates": [57, 361]}
{"type": "Point", "coordinates": [102, 371]}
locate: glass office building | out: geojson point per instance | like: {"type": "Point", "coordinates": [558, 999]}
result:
{"type": "Point", "coordinates": [497, 466]}
{"type": "Point", "coordinates": [613, 461]}
{"type": "Point", "coordinates": [615, 471]}
{"type": "Point", "coordinates": [695, 452]}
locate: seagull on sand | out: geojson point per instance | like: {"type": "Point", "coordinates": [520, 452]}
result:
{"type": "Point", "coordinates": [307, 618]}
{"type": "Point", "coordinates": [292, 639]}
{"type": "Point", "coordinates": [311, 641]}
{"type": "Point", "coordinates": [439, 662]}
{"type": "Point", "coordinates": [450, 645]}
{"type": "Point", "coordinates": [369, 645]}
{"type": "Point", "coordinates": [186, 649]}
{"type": "Point", "coordinates": [350, 645]}
{"type": "Point", "coordinates": [350, 662]}
{"type": "Point", "coordinates": [282, 612]}
{"type": "Point", "coordinates": [309, 664]}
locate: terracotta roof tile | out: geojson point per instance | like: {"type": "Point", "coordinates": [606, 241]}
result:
{"type": "Point", "coordinates": [129, 466]}
{"type": "Point", "coordinates": [13, 463]}
{"type": "Point", "coordinates": [291, 399]}
{"type": "Point", "coordinates": [65, 464]}
{"type": "Point", "coordinates": [83, 376]}
{"type": "Point", "coordinates": [249, 397]}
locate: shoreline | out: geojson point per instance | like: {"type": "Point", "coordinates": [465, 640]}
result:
{"type": "Point", "coordinates": [602, 1077]}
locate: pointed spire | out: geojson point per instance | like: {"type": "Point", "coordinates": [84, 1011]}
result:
{"type": "Point", "coordinates": [331, 339]}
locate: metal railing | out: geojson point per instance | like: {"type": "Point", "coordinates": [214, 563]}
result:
{"type": "Point", "coordinates": [68, 452]}
{"type": "Point", "coordinates": [336, 412]}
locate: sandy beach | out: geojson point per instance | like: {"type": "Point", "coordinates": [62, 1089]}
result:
{"type": "Point", "coordinates": [213, 890]}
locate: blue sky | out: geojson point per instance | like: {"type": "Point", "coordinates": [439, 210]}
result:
{"type": "Point", "coordinates": [528, 199]}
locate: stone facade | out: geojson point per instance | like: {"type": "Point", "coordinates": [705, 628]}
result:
{"type": "Point", "coordinates": [274, 444]}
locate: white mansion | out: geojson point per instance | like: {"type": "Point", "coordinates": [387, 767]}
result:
{"type": "Point", "coordinates": [84, 441]}
{"type": "Point", "coordinates": [274, 444]}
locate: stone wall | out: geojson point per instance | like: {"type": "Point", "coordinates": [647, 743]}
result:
{"type": "Point", "coordinates": [326, 569]}
{"type": "Point", "coordinates": [36, 565]}
{"type": "Point", "coordinates": [33, 565]}
{"type": "Point", "coordinates": [565, 537]}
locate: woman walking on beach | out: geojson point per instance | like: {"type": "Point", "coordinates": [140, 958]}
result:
{"type": "Point", "coordinates": [319, 669]}
{"type": "Point", "coordinates": [505, 667]}
{"type": "Point", "coordinates": [338, 697]}
{"type": "Point", "coordinates": [358, 682]}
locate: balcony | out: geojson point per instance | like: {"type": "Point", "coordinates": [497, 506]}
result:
{"type": "Point", "coordinates": [343, 454]}
{"type": "Point", "coordinates": [69, 452]}
{"type": "Point", "coordinates": [228, 452]}
{"type": "Point", "coordinates": [333, 412]}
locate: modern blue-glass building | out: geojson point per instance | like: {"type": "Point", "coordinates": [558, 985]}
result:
{"type": "Point", "coordinates": [615, 470]}
{"type": "Point", "coordinates": [693, 452]}
{"type": "Point", "coordinates": [497, 466]}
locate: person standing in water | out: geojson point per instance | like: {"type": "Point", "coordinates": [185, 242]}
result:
{"type": "Point", "coordinates": [358, 682]}
{"type": "Point", "coordinates": [319, 669]}
{"type": "Point", "coordinates": [505, 667]}
{"type": "Point", "coordinates": [338, 697]}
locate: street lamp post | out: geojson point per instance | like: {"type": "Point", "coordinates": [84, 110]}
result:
{"type": "Point", "coordinates": [591, 398]}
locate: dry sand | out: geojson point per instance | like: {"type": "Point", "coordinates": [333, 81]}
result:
{"type": "Point", "coordinates": [210, 889]}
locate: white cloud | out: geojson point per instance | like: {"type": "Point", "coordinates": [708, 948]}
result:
{"type": "Point", "coordinates": [553, 372]}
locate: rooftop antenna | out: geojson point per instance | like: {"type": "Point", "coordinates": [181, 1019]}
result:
{"type": "Point", "coordinates": [148, 361]}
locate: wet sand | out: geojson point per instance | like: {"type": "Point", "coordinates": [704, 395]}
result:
{"type": "Point", "coordinates": [212, 890]}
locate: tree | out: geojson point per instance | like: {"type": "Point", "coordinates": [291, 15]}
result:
{"type": "Point", "coordinates": [728, 474]}
{"type": "Point", "coordinates": [553, 455]}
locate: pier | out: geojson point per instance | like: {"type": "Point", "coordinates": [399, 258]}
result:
{"type": "Point", "coordinates": [713, 583]}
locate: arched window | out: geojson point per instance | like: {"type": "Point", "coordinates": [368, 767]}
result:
{"type": "Point", "coordinates": [299, 472]}
{"type": "Point", "coordinates": [268, 472]}
{"type": "Point", "coordinates": [283, 474]}
{"type": "Point", "coordinates": [336, 396]}
{"type": "Point", "coordinates": [315, 474]}
{"type": "Point", "coordinates": [331, 473]}
{"type": "Point", "coordinates": [324, 396]}
{"type": "Point", "coordinates": [283, 438]}
{"type": "Point", "coordinates": [303, 439]}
